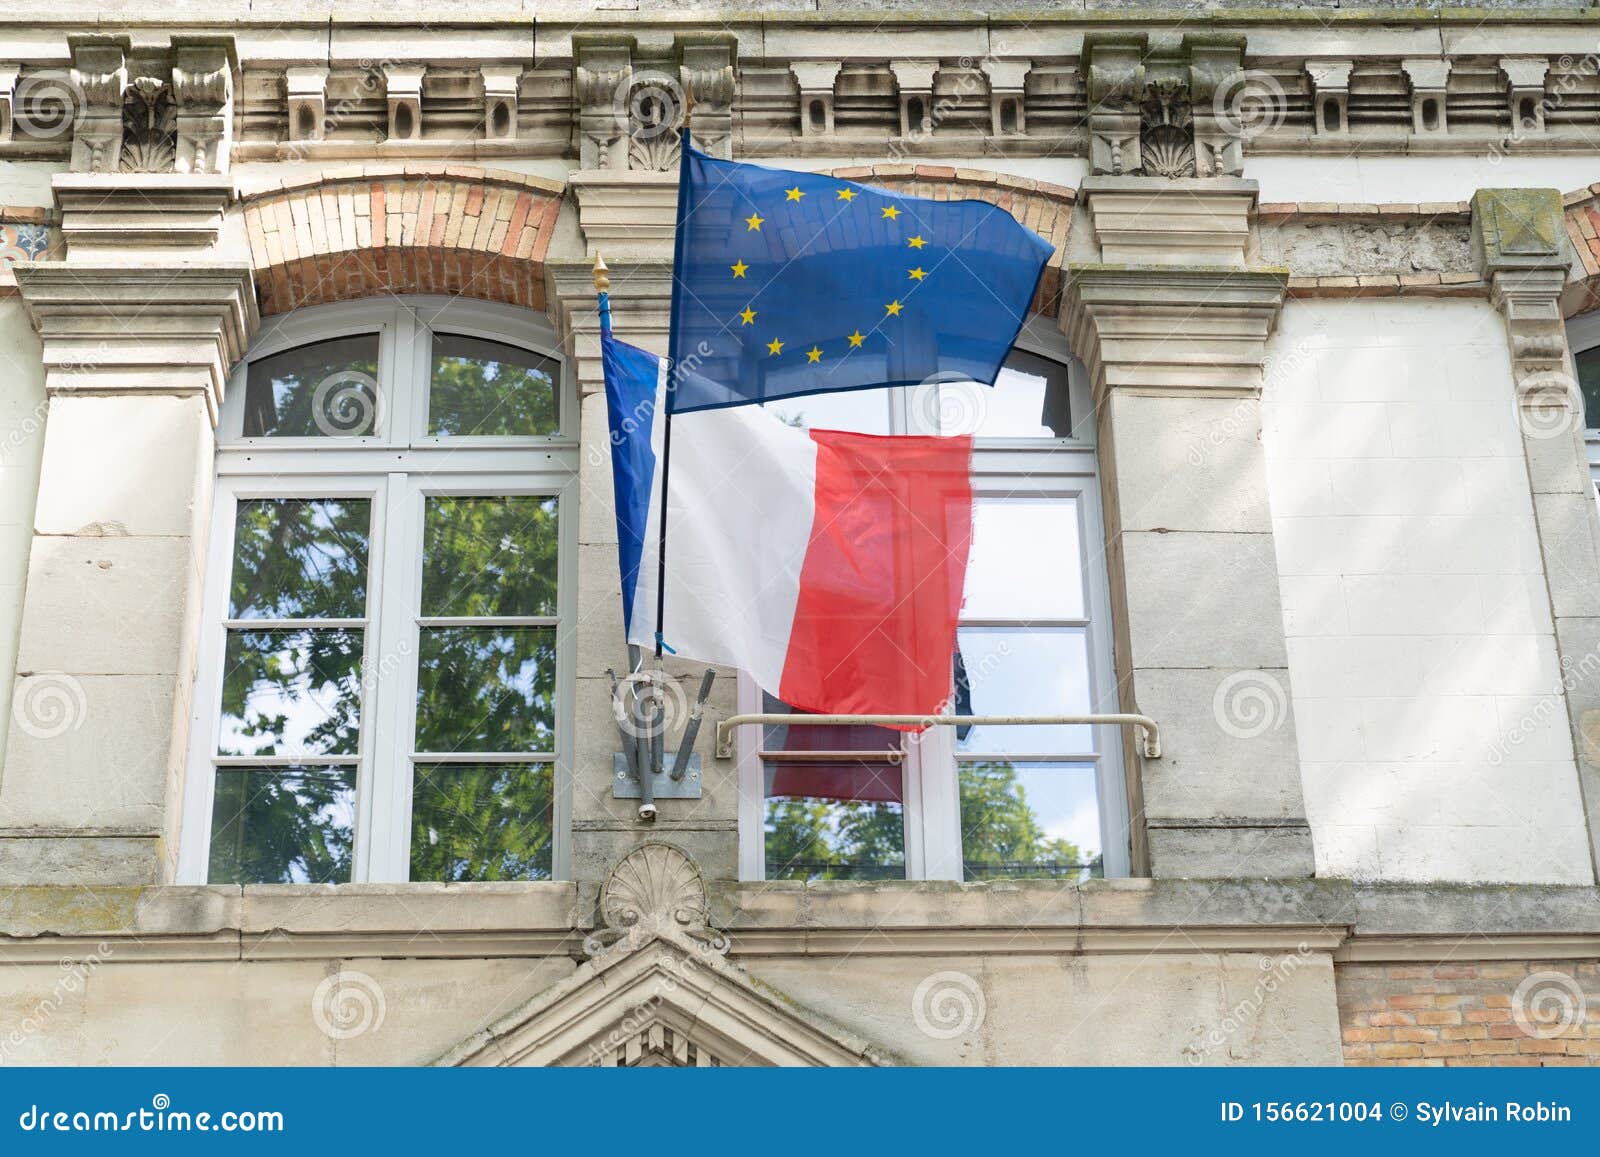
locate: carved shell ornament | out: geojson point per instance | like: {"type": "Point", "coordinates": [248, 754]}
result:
{"type": "Point", "coordinates": [654, 889]}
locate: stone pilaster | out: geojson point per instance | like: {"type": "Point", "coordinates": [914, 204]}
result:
{"type": "Point", "coordinates": [1517, 234]}
{"type": "Point", "coordinates": [606, 829]}
{"type": "Point", "coordinates": [1175, 349]}
{"type": "Point", "coordinates": [136, 354]}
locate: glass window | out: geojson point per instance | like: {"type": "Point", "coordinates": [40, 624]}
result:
{"type": "Point", "coordinates": [328, 389]}
{"type": "Point", "coordinates": [387, 649]}
{"type": "Point", "coordinates": [1588, 362]}
{"type": "Point", "coordinates": [974, 801]}
{"type": "Point", "coordinates": [835, 801]}
{"type": "Point", "coordinates": [485, 388]}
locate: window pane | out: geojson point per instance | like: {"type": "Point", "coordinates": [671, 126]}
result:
{"type": "Point", "coordinates": [1589, 382]}
{"type": "Point", "coordinates": [1028, 400]}
{"type": "Point", "coordinates": [291, 693]}
{"type": "Point", "coordinates": [1029, 820]}
{"type": "Point", "coordinates": [860, 411]}
{"type": "Point", "coordinates": [1029, 671]}
{"type": "Point", "coordinates": [481, 822]}
{"type": "Point", "coordinates": [823, 839]}
{"type": "Point", "coordinates": [282, 825]}
{"type": "Point", "coordinates": [487, 388]}
{"type": "Point", "coordinates": [489, 556]}
{"type": "Point", "coordinates": [298, 558]}
{"type": "Point", "coordinates": [486, 689]}
{"type": "Point", "coordinates": [328, 389]}
{"type": "Point", "coordinates": [1026, 561]}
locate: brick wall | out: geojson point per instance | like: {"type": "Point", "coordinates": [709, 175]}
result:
{"type": "Point", "coordinates": [1538, 1013]}
{"type": "Point", "coordinates": [458, 231]}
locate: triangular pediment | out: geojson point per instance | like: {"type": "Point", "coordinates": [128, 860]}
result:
{"type": "Point", "coordinates": [658, 990]}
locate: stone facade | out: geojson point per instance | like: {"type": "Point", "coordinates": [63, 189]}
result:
{"type": "Point", "coordinates": [1318, 278]}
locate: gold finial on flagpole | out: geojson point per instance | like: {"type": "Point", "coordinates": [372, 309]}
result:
{"type": "Point", "coordinates": [602, 274]}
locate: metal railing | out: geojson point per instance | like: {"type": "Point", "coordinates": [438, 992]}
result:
{"type": "Point", "coordinates": [1149, 731]}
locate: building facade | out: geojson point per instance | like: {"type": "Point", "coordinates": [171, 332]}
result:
{"type": "Point", "coordinates": [309, 595]}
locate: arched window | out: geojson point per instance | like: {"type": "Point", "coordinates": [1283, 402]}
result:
{"type": "Point", "coordinates": [1583, 337]}
{"type": "Point", "coordinates": [386, 665]}
{"type": "Point", "coordinates": [979, 802]}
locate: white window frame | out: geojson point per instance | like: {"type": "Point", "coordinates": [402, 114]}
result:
{"type": "Point", "coordinates": [397, 468]}
{"type": "Point", "coordinates": [1583, 334]}
{"type": "Point", "coordinates": [1044, 467]}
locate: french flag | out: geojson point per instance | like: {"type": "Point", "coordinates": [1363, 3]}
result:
{"type": "Point", "coordinates": [829, 566]}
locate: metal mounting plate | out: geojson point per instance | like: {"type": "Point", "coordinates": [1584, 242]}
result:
{"type": "Point", "coordinates": [624, 786]}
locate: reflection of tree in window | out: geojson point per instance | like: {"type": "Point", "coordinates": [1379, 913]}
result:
{"type": "Point", "coordinates": [1588, 363]}
{"type": "Point", "coordinates": [482, 822]}
{"type": "Point", "coordinates": [282, 825]}
{"type": "Point", "coordinates": [306, 392]}
{"type": "Point", "coordinates": [487, 388]}
{"type": "Point", "coordinates": [1002, 836]}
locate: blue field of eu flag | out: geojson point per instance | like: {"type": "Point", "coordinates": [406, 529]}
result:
{"type": "Point", "coordinates": [793, 283]}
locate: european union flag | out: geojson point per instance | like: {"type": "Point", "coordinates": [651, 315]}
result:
{"type": "Point", "coordinates": [799, 283]}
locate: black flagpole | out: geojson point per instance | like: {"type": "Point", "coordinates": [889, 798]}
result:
{"type": "Point", "coordinates": [672, 373]}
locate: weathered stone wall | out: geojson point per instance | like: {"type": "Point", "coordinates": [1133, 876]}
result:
{"type": "Point", "coordinates": [22, 417]}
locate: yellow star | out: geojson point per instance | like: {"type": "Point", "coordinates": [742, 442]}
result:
{"type": "Point", "coordinates": [754, 221]}
{"type": "Point", "coordinates": [891, 212]}
{"type": "Point", "coordinates": [918, 273]}
{"type": "Point", "coordinates": [916, 242]}
{"type": "Point", "coordinates": [794, 194]}
{"type": "Point", "coordinates": [857, 338]}
{"type": "Point", "coordinates": [738, 268]}
{"type": "Point", "coordinates": [748, 316]}
{"type": "Point", "coordinates": [774, 347]}
{"type": "Point", "coordinates": [847, 195]}
{"type": "Point", "coordinates": [814, 354]}
{"type": "Point", "coordinates": [893, 309]}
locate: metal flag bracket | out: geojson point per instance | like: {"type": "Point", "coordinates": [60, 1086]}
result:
{"type": "Point", "coordinates": [643, 770]}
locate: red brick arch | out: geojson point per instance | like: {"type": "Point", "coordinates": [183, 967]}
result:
{"type": "Point", "coordinates": [451, 230]}
{"type": "Point", "coordinates": [1041, 206]}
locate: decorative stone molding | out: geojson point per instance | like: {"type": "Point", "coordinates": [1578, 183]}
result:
{"type": "Point", "coordinates": [500, 91]}
{"type": "Point", "coordinates": [913, 80]}
{"type": "Point", "coordinates": [815, 78]}
{"type": "Point", "coordinates": [602, 67]}
{"type": "Point", "coordinates": [403, 89]}
{"type": "Point", "coordinates": [482, 233]}
{"type": "Point", "coordinates": [1518, 235]}
{"type": "Point", "coordinates": [658, 991]}
{"type": "Point", "coordinates": [1427, 78]}
{"type": "Point", "coordinates": [1330, 84]}
{"type": "Point", "coordinates": [1360, 250]}
{"type": "Point", "coordinates": [630, 107]}
{"type": "Point", "coordinates": [202, 86]}
{"type": "Point", "coordinates": [1137, 221]}
{"type": "Point", "coordinates": [305, 89]}
{"type": "Point", "coordinates": [707, 65]}
{"type": "Point", "coordinates": [1525, 77]}
{"type": "Point", "coordinates": [1216, 74]}
{"type": "Point", "coordinates": [128, 213]}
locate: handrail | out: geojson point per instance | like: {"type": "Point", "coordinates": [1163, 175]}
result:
{"type": "Point", "coordinates": [1149, 729]}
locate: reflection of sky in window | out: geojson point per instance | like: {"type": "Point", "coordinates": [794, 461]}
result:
{"type": "Point", "coordinates": [1026, 561]}
{"type": "Point", "coordinates": [860, 411]}
{"type": "Point", "coordinates": [837, 812]}
{"type": "Point", "coordinates": [329, 545]}
{"type": "Point", "coordinates": [1062, 798]}
{"type": "Point", "coordinates": [1027, 671]}
{"type": "Point", "coordinates": [297, 706]}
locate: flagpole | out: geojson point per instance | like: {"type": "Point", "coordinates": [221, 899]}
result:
{"type": "Point", "coordinates": [679, 237]}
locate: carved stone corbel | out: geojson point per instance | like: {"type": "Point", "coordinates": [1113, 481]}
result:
{"type": "Point", "coordinates": [1219, 91]}
{"type": "Point", "coordinates": [654, 892]}
{"type": "Point", "coordinates": [708, 65]}
{"type": "Point", "coordinates": [1525, 92]}
{"type": "Point", "coordinates": [100, 76]}
{"type": "Point", "coordinates": [202, 87]}
{"type": "Point", "coordinates": [1113, 68]}
{"type": "Point", "coordinates": [1007, 101]}
{"type": "Point", "coordinates": [403, 85]}
{"type": "Point", "coordinates": [8, 89]}
{"type": "Point", "coordinates": [1427, 78]}
{"type": "Point", "coordinates": [914, 80]}
{"type": "Point", "coordinates": [500, 91]}
{"type": "Point", "coordinates": [815, 78]}
{"type": "Point", "coordinates": [603, 69]}
{"type": "Point", "coordinates": [305, 89]}
{"type": "Point", "coordinates": [1330, 82]}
